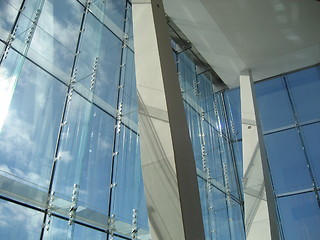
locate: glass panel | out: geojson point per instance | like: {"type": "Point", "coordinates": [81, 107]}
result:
{"type": "Point", "coordinates": [230, 175]}
{"type": "Point", "coordinates": [287, 162]}
{"type": "Point", "coordinates": [130, 101]}
{"type": "Point", "coordinates": [300, 216]}
{"type": "Point", "coordinates": [311, 136]}
{"type": "Point", "coordinates": [193, 119]}
{"type": "Point", "coordinates": [31, 123]}
{"type": "Point", "coordinates": [60, 230]}
{"type": "Point", "coordinates": [17, 222]}
{"type": "Point", "coordinates": [54, 42]}
{"type": "Point", "coordinates": [237, 148]}
{"type": "Point", "coordinates": [187, 78]}
{"type": "Point", "coordinates": [232, 99]}
{"type": "Point", "coordinates": [8, 13]}
{"type": "Point", "coordinates": [219, 215]}
{"type": "Point", "coordinates": [213, 157]}
{"type": "Point", "coordinates": [98, 65]}
{"type": "Point", "coordinates": [26, 25]}
{"type": "Point", "coordinates": [273, 104]}
{"type": "Point", "coordinates": [236, 221]}
{"type": "Point", "coordinates": [128, 192]}
{"type": "Point", "coordinates": [220, 116]}
{"type": "Point", "coordinates": [304, 87]}
{"type": "Point", "coordinates": [84, 156]}
{"type": "Point", "coordinates": [113, 10]}
{"type": "Point", "coordinates": [129, 27]}
{"type": "Point", "coordinates": [205, 208]}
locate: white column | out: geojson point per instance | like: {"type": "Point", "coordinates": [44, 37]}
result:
{"type": "Point", "coordinates": [259, 204]}
{"type": "Point", "coordinates": [168, 165]}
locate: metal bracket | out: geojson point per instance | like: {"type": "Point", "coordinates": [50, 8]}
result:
{"type": "Point", "coordinates": [74, 201]}
{"type": "Point", "coordinates": [94, 73]}
{"type": "Point", "coordinates": [135, 228]}
{"type": "Point", "coordinates": [33, 27]}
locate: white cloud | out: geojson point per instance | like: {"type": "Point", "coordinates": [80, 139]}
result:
{"type": "Point", "coordinates": [66, 156]}
{"type": "Point", "coordinates": [12, 213]}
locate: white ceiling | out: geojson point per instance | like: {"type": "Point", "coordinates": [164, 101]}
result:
{"type": "Point", "coordinates": [269, 37]}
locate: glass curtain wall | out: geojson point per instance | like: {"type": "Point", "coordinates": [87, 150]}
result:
{"type": "Point", "coordinates": [289, 109]}
{"type": "Point", "coordinates": [69, 145]}
{"type": "Point", "coordinates": [217, 170]}
{"type": "Point", "coordinates": [69, 148]}
{"type": "Point", "coordinates": [288, 106]}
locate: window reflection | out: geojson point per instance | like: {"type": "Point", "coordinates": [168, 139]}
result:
{"type": "Point", "coordinates": [29, 133]}
{"type": "Point", "coordinates": [273, 104]}
{"type": "Point", "coordinates": [60, 230]}
{"type": "Point", "coordinates": [300, 216]}
{"type": "Point", "coordinates": [13, 219]}
{"type": "Point", "coordinates": [287, 162]}
{"type": "Point", "coordinates": [100, 50]}
{"type": "Point", "coordinates": [85, 153]}
{"type": "Point", "coordinates": [304, 87]}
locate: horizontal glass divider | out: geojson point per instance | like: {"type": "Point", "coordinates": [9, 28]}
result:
{"type": "Point", "coordinates": [288, 194]}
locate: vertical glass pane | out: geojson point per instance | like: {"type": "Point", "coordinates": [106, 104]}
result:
{"type": "Point", "coordinates": [273, 104]}
{"type": "Point", "coordinates": [205, 208]}
{"type": "Point", "coordinates": [230, 175]}
{"type": "Point", "coordinates": [128, 193]}
{"type": "Point", "coordinates": [232, 99]}
{"type": "Point", "coordinates": [311, 136]}
{"type": "Point", "coordinates": [287, 162]}
{"type": "Point", "coordinates": [113, 10]}
{"type": "Point", "coordinates": [193, 119]}
{"type": "Point", "coordinates": [220, 216]}
{"type": "Point", "coordinates": [17, 222]}
{"type": "Point", "coordinates": [8, 13]}
{"type": "Point", "coordinates": [304, 87]}
{"type": "Point", "coordinates": [29, 132]}
{"type": "Point", "coordinates": [54, 42]}
{"type": "Point", "coordinates": [236, 221]}
{"type": "Point", "coordinates": [84, 156]}
{"type": "Point", "coordinates": [98, 65]}
{"type": "Point", "coordinates": [213, 151]}
{"type": "Point", "coordinates": [130, 101]}
{"type": "Point", "coordinates": [129, 29]}
{"type": "Point", "coordinates": [26, 25]}
{"type": "Point", "coordinates": [300, 216]}
{"type": "Point", "coordinates": [237, 148]}
{"type": "Point", "coordinates": [187, 78]}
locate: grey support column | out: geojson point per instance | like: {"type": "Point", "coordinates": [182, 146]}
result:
{"type": "Point", "coordinates": [168, 165]}
{"type": "Point", "coordinates": [259, 204]}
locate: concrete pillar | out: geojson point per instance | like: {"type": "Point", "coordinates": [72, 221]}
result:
{"type": "Point", "coordinates": [168, 165]}
{"type": "Point", "coordinates": [259, 203]}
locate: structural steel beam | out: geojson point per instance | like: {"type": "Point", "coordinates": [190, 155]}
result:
{"type": "Point", "coordinates": [259, 203]}
{"type": "Point", "coordinates": [168, 165]}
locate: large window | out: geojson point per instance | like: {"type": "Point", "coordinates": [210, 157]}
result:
{"type": "Point", "coordinates": [69, 149]}
{"type": "Point", "coordinates": [212, 139]}
{"type": "Point", "coordinates": [69, 141]}
{"type": "Point", "coordinates": [289, 110]}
